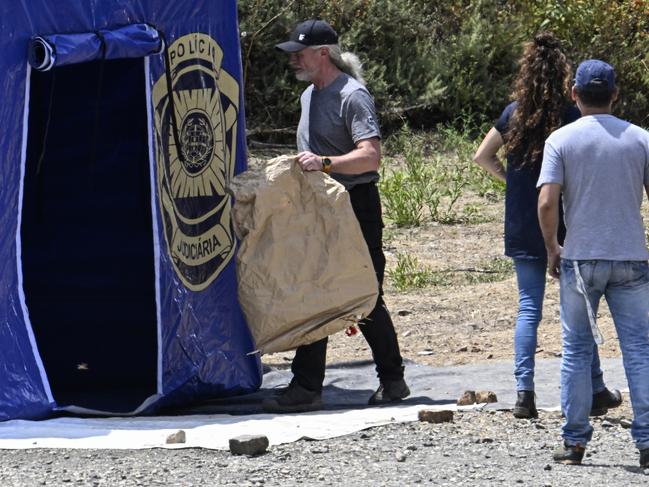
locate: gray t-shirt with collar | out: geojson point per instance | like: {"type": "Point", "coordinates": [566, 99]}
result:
{"type": "Point", "coordinates": [334, 119]}
{"type": "Point", "coordinates": [602, 165]}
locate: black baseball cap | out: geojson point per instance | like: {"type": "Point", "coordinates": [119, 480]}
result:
{"type": "Point", "coordinates": [309, 33]}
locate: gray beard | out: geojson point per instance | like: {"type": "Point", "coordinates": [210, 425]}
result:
{"type": "Point", "coordinates": [302, 76]}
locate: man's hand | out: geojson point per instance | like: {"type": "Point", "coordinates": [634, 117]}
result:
{"type": "Point", "coordinates": [554, 261]}
{"type": "Point", "coordinates": [364, 158]}
{"type": "Point", "coordinates": [309, 161]}
{"type": "Point", "coordinates": [549, 221]}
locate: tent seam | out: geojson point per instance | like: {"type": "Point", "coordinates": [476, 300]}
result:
{"type": "Point", "coordinates": [154, 218]}
{"type": "Point", "coordinates": [19, 269]}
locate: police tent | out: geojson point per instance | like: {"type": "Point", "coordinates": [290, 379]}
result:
{"type": "Point", "coordinates": [122, 124]}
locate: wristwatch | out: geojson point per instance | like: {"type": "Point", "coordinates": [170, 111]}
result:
{"type": "Point", "coordinates": [326, 165]}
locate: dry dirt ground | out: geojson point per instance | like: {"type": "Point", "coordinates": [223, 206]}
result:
{"type": "Point", "coordinates": [468, 321]}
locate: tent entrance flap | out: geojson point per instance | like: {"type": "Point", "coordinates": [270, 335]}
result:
{"type": "Point", "coordinates": [87, 238]}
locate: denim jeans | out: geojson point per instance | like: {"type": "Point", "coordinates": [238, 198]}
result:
{"type": "Point", "coordinates": [530, 275]}
{"type": "Point", "coordinates": [625, 285]}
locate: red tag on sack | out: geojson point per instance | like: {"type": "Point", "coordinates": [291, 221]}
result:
{"type": "Point", "coordinates": [351, 331]}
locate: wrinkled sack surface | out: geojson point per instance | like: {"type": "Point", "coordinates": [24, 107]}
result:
{"type": "Point", "coordinates": [303, 267]}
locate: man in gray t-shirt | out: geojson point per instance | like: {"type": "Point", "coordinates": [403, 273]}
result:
{"type": "Point", "coordinates": [601, 165]}
{"type": "Point", "coordinates": [339, 134]}
{"type": "Point", "coordinates": [343, 115]}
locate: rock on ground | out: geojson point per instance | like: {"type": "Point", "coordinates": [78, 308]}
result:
{"type": "Point", "coordinates": [478, 448]}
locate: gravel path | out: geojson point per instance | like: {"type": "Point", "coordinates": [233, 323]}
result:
{"type": "Point", "coordinates": [479, 448]}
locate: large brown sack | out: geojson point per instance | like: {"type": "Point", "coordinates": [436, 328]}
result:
{"type": "Point", "coordinates": [303, 267]}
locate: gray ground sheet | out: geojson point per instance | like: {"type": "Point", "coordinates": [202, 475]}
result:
{"type": "Point", "coordinates": [349, 385]}
{"type": "Point", "coordinates": [485, 448]}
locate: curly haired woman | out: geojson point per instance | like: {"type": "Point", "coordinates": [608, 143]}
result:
{"type": "Point", "coordinates": [540, 106]}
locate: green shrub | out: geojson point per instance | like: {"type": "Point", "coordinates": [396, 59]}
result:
{"type": "Point", "coordinates": [397, 40]}
{"type": "Point", "coordinates": [617, 32]}
{"type": "Point", "coordinates": [424, 187]}
{"type": "Point", "coordinates": [460, 139]}
{"type": "Point", "coordinates": [410, 274]}
{"type": "Point", "coordinates": [403, 202]}
{"type": "Point", "coordinates": [477, 63]}
{"type": "Point", "coordinates": [428, 62]}
{"type": "Point", "coordinates": [408, 191]}
{"type": "Point", "coordinates": [429, 174]}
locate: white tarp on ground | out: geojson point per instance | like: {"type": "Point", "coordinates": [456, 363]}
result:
{"type": "Point", "coordinates": [345, 395]}
{"type": "Point", "coordinates": [202, 431]}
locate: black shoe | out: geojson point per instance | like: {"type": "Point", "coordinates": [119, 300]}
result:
{"type": "Point", "coordinates": [569, 454]}
{"type": "Point", "coordinates": [389, 391]}
{"type": "Point", "coordinates": [293, 399]}
{"type": "Point", "coordinates": [644, 458]}
{"type": "Point", "coordinates": [605, 400]}
{"type": "Point", "coordinates": [525, 406]}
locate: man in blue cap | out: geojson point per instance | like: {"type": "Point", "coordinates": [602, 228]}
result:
{"type": "Point", "coordinates": [339, 134]}
{"type": "Point", "coordinates": [601, 165]}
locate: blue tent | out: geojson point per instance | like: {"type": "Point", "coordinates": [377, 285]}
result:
{"type": "Point", "coordinates": [118, 275]}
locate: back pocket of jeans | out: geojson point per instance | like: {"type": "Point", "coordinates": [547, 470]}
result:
{"type": "Point", "coordinates": [638, 272]}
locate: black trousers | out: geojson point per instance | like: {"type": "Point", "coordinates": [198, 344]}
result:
{"type": "Point", "coordinates": [309, 363]}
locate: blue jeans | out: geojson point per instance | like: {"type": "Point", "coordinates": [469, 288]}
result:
{"type": "Point", "coordinates": [625, 285]}
{"type": "Point", "coordinates": [530, 274]}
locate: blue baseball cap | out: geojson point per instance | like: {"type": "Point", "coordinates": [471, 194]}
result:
{"type": "Point", "coordinates": [595, 74]}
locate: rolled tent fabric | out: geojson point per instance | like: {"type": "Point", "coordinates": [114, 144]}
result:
{"type": "Point", "coordinates": [130, 41]}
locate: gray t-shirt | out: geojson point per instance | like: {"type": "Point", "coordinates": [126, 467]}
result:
{"type": "Point", "coordinates": [334, 119]}
{"type": "Point", "coordinates": [602, 164]}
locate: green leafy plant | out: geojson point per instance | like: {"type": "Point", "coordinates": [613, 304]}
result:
{"type": "Point", "coordinates": [453, 178]}
{"type": "Point", "coordinates": [462, 138]}
{"type": "Point", "coordinates": [403, 200]}
{"type": "Point", "coordinates": [410, 274]}
{"type": "Point", "coordinates": [431, 173]}
{"type": "Point", "coordinates": [408, 190]}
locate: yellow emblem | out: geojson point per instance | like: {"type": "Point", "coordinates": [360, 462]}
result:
{"type": "Point", "coordinates": [196, 160]}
